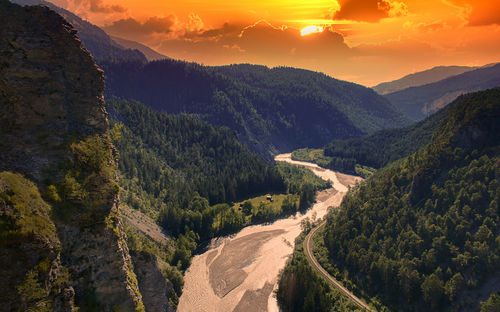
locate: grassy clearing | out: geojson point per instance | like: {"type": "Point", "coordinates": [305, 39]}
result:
{"type": "Point", "coordinates": [262, 203]}
{"type": "Point", "coordinates": [316, 156]}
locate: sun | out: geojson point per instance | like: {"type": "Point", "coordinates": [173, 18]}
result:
{"type": "Point", "coordinates": [311, 30]}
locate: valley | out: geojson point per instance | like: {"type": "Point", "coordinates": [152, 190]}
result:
{"type": "Point", "coordinates": [131, 180]}
{"type": "Point", "coordinates": [239, 272]}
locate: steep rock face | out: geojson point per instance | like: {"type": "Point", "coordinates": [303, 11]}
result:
{"type": "Point", "coordinates": [53, 130]}
{"type": "Point", "coordinates": [155, 288]}
{"type": "Point", "coordinates": [50, 88]}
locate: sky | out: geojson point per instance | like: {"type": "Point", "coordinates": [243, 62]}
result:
{"type": "Point", "coordinates": [364, 41]}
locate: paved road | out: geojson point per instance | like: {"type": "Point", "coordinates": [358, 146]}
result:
{"type": "Point", "coordinates": [329, 278]}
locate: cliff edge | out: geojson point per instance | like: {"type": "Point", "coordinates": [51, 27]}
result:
{"type": "Point", "coordinates": [62, 242]}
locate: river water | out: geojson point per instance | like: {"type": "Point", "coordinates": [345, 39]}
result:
{"type": "Point", "coordinates": [240, 272]}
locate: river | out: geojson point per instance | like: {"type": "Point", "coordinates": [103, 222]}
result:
{"type": "Point", "coordinates": [240, 272]}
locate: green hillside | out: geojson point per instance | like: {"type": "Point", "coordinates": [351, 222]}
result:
{"type": "Point", "coordinates": [383, 147]}
{"type": "Point", "coordinates": [423, 233]}
{"type": "Point", "coordinates": [271, 110]}
{"type": "Point", "coordinates": [186, 174]}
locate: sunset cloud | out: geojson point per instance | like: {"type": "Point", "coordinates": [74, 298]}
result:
{"type": "Point", "coordinates": [369, 10]}
{"type": "Point", "coordinates": [478, 12]}
{"type": "Point", "coordinates": [484, 13]}
{"type": "Point", "coordinates": [131, 27]}
{"type": "Point", "coordinates": [97, 6]}
{"type": "Point", "coordinates": [426, 27]}
{"type": "Point", "coordinates": [225, 29]}
{"type": "Point", "coordinates": [261, 42]}
{"type": "Point", "coordinates": [92, 6]}
{"type": "Point", "coordinates": [194, 24]}
{"type": "Point", "coordinates": [368, 41]}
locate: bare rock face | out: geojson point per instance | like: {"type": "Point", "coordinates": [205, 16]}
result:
{"type": "Point", "coordinates": [53, 131]}
{"type": "Point", "coordinates": [155, 288]}
{"type": "Point", "coordinates": [50, 89]}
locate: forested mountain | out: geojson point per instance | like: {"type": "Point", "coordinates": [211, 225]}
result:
{"type": "Point", "coordinates": [99, 44]}
{"type": "Point", "coordinates": [175, 167]}
{"type": "Point", "coordinates": [270, 109]}
{"type": "Point", "coordinates": [421, 78]}
{"type": "Point", "coordinates": [186, 173]}
{"type": "Point", "coordinates": [383, 147]}
{"type": "Point", "coordinates": [149, 53]}
{"type": "Point", "coordinates": [423, 233]}
{"type": "Point", "coordinates": [206, 159]}
{"type": "Point", "coordinates": [419, 102]}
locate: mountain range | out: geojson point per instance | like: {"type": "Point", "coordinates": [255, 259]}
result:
{"type": "Point", "coordinates": [421, 101]}
{"type": "Point", "coordinates": [271, 109]}
{"type": "Point", "coordinates": [417, 79]}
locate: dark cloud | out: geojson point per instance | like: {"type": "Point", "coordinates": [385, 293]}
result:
{"type": "Point", "coordinates": [265, 39]}
{"type": "Point", "coordinates": [225, 29]}
{"type": "Point", "coordinates": [260, 43]}
{"type": "Point", "coordinates": [97, 6]}
{"type": "Point", "coordinates": [485, 13]}
{"type": "Point", "coordinates": [369, 10]}
{"type": "Point", "coordinates": [131, 27]}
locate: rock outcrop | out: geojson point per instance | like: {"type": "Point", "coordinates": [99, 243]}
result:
{"type": "Point", "coordinates": [53, 130]}
{"type": "Point", "coordinates": [50, 89]}
{"type": "Point", "coordinates": [155, 287]}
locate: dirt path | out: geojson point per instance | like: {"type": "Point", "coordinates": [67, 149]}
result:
{"type": "Point", "coordinates": [239, 273]}
{"type": "Point", "coordinates": [324, 273]}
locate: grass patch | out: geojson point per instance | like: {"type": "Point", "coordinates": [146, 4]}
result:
{"type": "Point", "coordinates": [316, 156]}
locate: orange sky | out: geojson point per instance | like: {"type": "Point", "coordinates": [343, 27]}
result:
{"type": "Point", "coordinates": [365, 41]}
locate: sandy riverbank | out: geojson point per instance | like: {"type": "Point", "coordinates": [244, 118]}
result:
{"type": "Point", "coordinates": [239, 273]}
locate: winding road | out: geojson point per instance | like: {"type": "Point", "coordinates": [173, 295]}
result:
{"type": "Point", "coordinates": [333, 177]}
{"type": "Point", "coordinates": [239, 272]}
{"type": "Point", "coordinates": [324, 273]}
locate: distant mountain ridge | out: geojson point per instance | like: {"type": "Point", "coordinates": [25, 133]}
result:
{"type": "Point", "coordinates": [421, 78]}
{"type": "Point", "coordinates": [149, 53]}
{"type": "Point", "coordinates": [271, 110]}
{"type": "Point", "coordinates": [419, 102]}
{"type": "Point", "coordinates": [99, 44]}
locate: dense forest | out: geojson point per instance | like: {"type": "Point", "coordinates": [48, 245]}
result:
{"type": "Point", "coordinates": [187, 174]}
{"type": "Point", "coordinates": [271, 110]}
{"type": "Point", "coordinates": [423, 233]}
{"type": "Point", "coordinates": [383, 147]}
{"type": "Point", "coordinates": [310, 292]}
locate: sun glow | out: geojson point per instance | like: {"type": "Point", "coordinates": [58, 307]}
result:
{"type": "Point", "coordinates": [311, 30]}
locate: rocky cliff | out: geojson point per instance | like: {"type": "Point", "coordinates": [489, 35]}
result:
{"type": "Point", "coordinates": [62, 242]}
